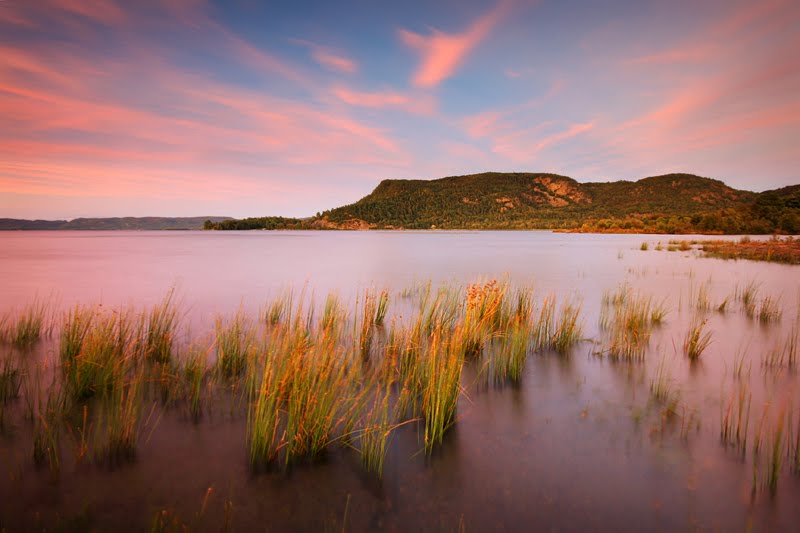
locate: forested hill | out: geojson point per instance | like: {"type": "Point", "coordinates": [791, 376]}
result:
{"type": "Point", "coordinates": [119, 223]}
{"type": "Point", "coordinates": [672, 203]}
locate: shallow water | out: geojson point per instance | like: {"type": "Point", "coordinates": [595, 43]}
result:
{"type": "Point", "coordinates": [578, 445]}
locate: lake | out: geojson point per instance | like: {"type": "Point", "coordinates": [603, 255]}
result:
{"type": "Point", "coordinates": [580, 441]}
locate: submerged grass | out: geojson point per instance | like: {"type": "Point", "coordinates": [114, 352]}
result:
{"type": "Point", "coordinates": [627, 318]}
{"type": "Point", "coordinates": [26, 328]}
{"type": "Point", "coordinates": [233, 340]}
{"type": "Point", "coordinates": [697, 340]}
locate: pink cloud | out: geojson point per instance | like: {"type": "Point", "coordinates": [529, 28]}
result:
{"type": "Point", "coordinates": [67, 131]}
{"type": "Point", "coordinates": [443, 53]}
{"type": "Point", "coordinates": [522, 146]}
{"type": "Point", "coordinates": [328, 58]}
{"type": "Point", "coordinates": [423, 105]}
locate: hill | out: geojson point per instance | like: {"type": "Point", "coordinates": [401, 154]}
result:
{"type": "Point", "coordinates": [124, 223]}
{"type": "Point", "coordinates": [672, 203]}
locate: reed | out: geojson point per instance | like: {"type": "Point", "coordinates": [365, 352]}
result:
{"type": "Point", "coordinates": [703, 302]}
{"type": "Point", "coordinates": [776, 452]}
{"type": "Point", "coordinates": [333, 314]}
{"type": "Point", "coordinates": [10, 382]}
{"type": "Point", "coordinates": [739, 359]}
{"type": "Point", "coordinates": [543, 326]}
{"type": "Point", "coordinates": [120, 417]}
{"type": "Point", "coordinates": [96, 353]}
{"type": "Point", "coordinates": [264, 418]}
{"type": "Point", "coordinates": [376, 432]}
{"type": "Point", "coordinates": [74, 329]}
{"type": "Point", "coordinates": [794, 445]}
{"type": "Point", "coordinates": [748, 296]}
{"type": "Point", "coordinates": [628, 319]}
{"type": "Point", "coordinates": [441, 386]}
{"type": "Point", "coordinates": [29, 326]}
{"type": "Point", "coordinates": [697, 340]}
{"type": "Point", "coordinates": [47, 408]}
{"type": "Point", "coordinates": [194, 373]}
{"type": "Point", "coordinates": [644, 247]}
{"type": "Point", "coordinates": [769, 310]}
{"type": "Point", "coordinates": [513, 352]}
{"type": "Point", "coordinates": [160, 331]}
{"type": "Point", "coordinates": [568, 328]}
{"type": "Point", "coordinates": [661, 383]}
{"type": "Point", "coordinates": [366, 331]}
{"type": "Point", "coordinates": [321, 380]}
{"type": "Point", "coordinates": [735, 419]}
{"type": "Point", "coordinates": [793, 340]}
{"type": "Point", "coordinates": [233, 340]}
{"type": "Point", "coordinates": [382, 307]}
{"type": "Point", "coordinates": [279, 310]}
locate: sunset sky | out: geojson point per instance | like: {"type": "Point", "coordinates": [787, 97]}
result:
{"type": "Point", "coordinates": [248, 108]}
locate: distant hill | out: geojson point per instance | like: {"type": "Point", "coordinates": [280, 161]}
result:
{"type": "Point", "coordinates": [672, 203]}
{"type": "Point", "coordinates": [124, 223]}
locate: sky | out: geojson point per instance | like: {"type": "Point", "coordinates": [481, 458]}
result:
{"type": "Point", "coordinates": [254, 108]}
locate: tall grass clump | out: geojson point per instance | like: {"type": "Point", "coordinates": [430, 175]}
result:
{"type": "Point", "coordinates": [377, 429]}
{"type": "Point", "coordinates": [10, 382]}
{"type": "Point", "coordinates": [95, 351]}
{"type": "Point", "coordinates": [697, 340]}
{"type": "Point", "coordinates": [382, 307]}
{"type": "Point", "coordinates": [513, 351]}
{"type": "Point", "coordinates": [628, 318]}
{"type": "Point", "coordinates": [233, 341]}
{"type": "Point", "coordinates": [441, 385]}
{"type": "Point", "coordinates": [47, 408]}
{"type": "Point", "coordinates": [279, 309]}
{"type": "Point", "coordinates": [568, 328]}
{"type": "Point", "coordinates": [119, 419]}
{"type": "Point", "coordinates": [161, 325]}
{"type": "Point", "coordinates": [769, 310]}
{"type": "Point", "coordinates": [194, 373]}
{"type": "Point", "coordinates": [366, 331]}
{"type": "Point", "coordinates": [28, 327]}
{"type": "Point", "coordinates": [748, 296]}
{"type": "Point", "coordinates": [735, 419]}
{"type": "Point", "coordinates": [644, 247]}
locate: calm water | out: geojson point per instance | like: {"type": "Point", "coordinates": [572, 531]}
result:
{"type": "Point", "coordinates": [579, 445]}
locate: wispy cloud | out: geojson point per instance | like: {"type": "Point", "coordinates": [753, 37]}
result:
{"type": "Point", "coordinates": [418, 104]}
{"type": "Point", "coordinates": [329, 58]}
{"type": "Point", "coordinates": [442, 53]}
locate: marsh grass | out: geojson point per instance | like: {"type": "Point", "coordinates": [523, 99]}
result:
{"type": "Point", "coordinates": [747, 295]}
{"type": "Point", "coordinates": [697, 340]}
{"type": "Point", "coordinates": [513, 352]}
{"type": "Point", "coordinates": [279, 309]}
{"type": "Point", "coordinates": [644, 247]}
{"type": "Point", "coordinates": [661, 385]}
{"type": "Point", "coordinates": [96, 351]}
{"type": "Point", "coordinates": [47, 406]}
{"type": "Point", "coordinates": [382, 307]}
{"type": "Point", "coordinates": [10, 383]}
{"type": "Point", "coordinates": [119, 419]}
{"type": "Point", "coordinates": [441, 386]}
{"type": "Point", "coordinates": [233, 341]}
{"type": "Point", "coordinates": [703, 302]}
{"type": "Point", "coordinates": [769, 310]}
{"type": "Point", "coordinates": [568, 327]}
{"type": "Point", "coordinates": [26, 328]}
{"type": "Point", "coordinates": [160, 331]}
{"type": "Point", "coordinates": [194, 374]}
{"type": "Point", "coordinates": [735, 419]}
{"type": "Point", "coordinates": [378, 426]}
{"type": "Point", "coordinates": [368, 316]}
{"type": "Point", "coordinates": [627, 318]}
